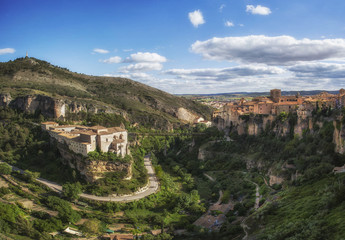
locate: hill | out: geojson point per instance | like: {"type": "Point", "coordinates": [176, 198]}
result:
{"type": "Point", "coordinates": [136, 102]}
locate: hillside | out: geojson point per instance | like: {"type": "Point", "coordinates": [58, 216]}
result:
{"type": "Point", "coordinates": [136, 102]}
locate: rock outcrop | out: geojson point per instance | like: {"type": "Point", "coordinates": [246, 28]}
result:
{"type": "Point", "coordinates": [185, 115]}
{"type": "Point", "coordinates": [93, 170]}
{"type": "Point", "coordinates": [54, 107]}
{"type": "Point", "coordinates": [339, 137]}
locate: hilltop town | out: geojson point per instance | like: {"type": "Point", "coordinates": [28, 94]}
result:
{"type": "Point", "coordinates": [82, 139]}
{"type": "Point", "coordinates": [275, 104]}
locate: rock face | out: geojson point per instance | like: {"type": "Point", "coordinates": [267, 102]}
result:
{"type": "Point", "coordinates": [53, 107]}
{"type": "Point", "coordinates": [339, 137]}
{"type": "Point", "coordinates": [275, 180]}
{"type": "Point", "coordinates": [50, 107]}
{"type": "Point", "coordinates": [185, 115]}
{"type": "Point", "coordinates": [5, 100]}
{"type": "Point", "coordinates": [93, 170]}
{"type": "Point", "coordinates": [252, 124]}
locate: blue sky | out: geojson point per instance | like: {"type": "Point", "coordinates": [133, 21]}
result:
{"type": "Point", "coordinates": [185, 46]}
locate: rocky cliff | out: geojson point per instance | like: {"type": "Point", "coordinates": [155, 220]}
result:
{"type": "Point", "coordinates": [52, 107]}
{"type": "Point", "coordinates": [296, 124]}
{"type": "Point", "coordinates": [252, 124]}
{"type": "Point", "coordinates": [339, 136]}
{"type": "Point", "coordinates": [93, 170]}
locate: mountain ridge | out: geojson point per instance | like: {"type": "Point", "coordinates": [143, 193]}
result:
{"type": "Point", "coordinates": [139, 103]}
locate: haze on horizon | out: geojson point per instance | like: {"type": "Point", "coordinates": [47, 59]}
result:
{"type": "Point", "coordinates": [185, 47]}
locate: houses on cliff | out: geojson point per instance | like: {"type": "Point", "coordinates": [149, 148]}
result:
{"type": "Point", "coordinates": [82, 139]}
{"type": "Point", "coordinates": [276, 104]}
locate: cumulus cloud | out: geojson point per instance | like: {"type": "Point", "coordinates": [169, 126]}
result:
{"type": "Point", "coordinates": [134, 76]}
{"type": "Point", "coordinates": [258, 10]}
{"type": "Point", "coordinates": [196, 18]}
{"type": "Point", "coordinates": [319, 70]}
{"type": "Point", "coordinates": [280, 50]}
{"type": "Point", "coordinates": [99, 50]}
{"type": "Point", "coordinates": [142, 67]}
{"type": "Point", "coordinates": [145, 57]}
{"type": "Point", "coordinates": [219, 74]}
{"type": "Point", "coordinates": [115, 59]}
{"type": "Point", "coordinates": [7, 51]}
{"type": "Point", "coordinates": [229, 24]}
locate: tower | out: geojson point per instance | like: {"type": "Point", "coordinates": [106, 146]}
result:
{"type": "Point", "coordinates": [275, 95]}
{"type": "Point", "coordinates": [26, 54]}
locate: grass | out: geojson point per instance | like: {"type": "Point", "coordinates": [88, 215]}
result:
{"type": "Point", "coordinates": [141, 103]}
{"type": "Point", "coordinates": [299, 211]}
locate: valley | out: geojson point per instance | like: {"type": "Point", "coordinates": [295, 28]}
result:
{"type": "Point", "coordinates": [103, 169]}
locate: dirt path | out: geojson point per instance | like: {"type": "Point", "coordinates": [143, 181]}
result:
{"type": "Point", "coordinates": [256, 206]}
{"type": "Point", "coordinates": [209, 177]}
{"type": "Point", "coordinates": [245, 227]}
{"type": "Point", "coordinates": [258, 197]}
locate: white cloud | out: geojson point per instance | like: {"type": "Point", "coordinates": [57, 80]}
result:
{"type": "Point", "coordinates": [7, 51]}
{"type": "Point", "coordinates": [221, 7]}
{"type": "Point", "coordinates": [115, 59]}
{"type": "Point", "coordinates": [128, 50]}
{"type": "Point", "coordinates": [142, 67]}
{"type": "Point", "coordinates": [280, 50]}
{"type": "Point", "coordinates": [101, 51]}
{"type": "Point", "coordinates": [145, 57]}
{"type": "Point", "coordinates": [229, 24]}
{"type": "Point", "coordinates": [319, 70]}
{"type": "Point", "coordinates": [259, 10]}
{"type": "Point", "coordinates": [196, 18]}
{"type": "Point", "coordinates": [241, 25]}
{"type": "Point", "coordinates": [223, 74]}
{"type": "Point", "coordinates": [133, 76]}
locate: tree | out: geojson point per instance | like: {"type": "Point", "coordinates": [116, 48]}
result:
{"type": "Point", "coordinates": [71, 190]}
{"type": "Point", "coordinates": [30, 176]}
{"type": "Point", "coordinates": [5, 169]}
{"type": "Point", "coordinates": [92, 226]}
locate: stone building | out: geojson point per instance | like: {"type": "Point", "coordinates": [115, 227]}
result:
{"type": "Point", "coordinates": [82, 140]}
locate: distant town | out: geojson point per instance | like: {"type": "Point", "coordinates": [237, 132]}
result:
{"type": "Point", "coordinates": [276, 103]}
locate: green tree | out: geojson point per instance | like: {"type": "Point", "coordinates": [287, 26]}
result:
{"type": "Point", "coordinates": [91, 226]}
{"type": "Point", "coordinates": [71, 190]}
{"type": "Point", "coordinates": [5, 169]}
{"type": "Point", "coordinates": [31, 176]}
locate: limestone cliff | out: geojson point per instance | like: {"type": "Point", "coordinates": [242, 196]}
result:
{"type": "Point", "coordinates": [93, 170]}
{"type": "Point", "coordinates": [185, 115]}
{"type": "Point", "coordinates": [252, 124]}
{"type": "Point", "coordinates": [52, 107]}
{"type": "Point", "coordinates": [339, 136]}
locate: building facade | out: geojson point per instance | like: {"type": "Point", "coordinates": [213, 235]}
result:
{"type": "Point", "coordinates": [82, 139]}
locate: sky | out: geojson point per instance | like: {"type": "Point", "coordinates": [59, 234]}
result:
{"type": "Point", "coordinates": [185, 46]}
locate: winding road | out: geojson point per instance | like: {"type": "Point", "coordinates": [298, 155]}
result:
{"type": "Point", "coordinates": [152, 187]}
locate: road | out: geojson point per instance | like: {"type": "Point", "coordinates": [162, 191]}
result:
{"type": "Point", "coordinates": [153, 186]}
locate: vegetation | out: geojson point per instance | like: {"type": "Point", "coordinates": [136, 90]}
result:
{"type": "Point", "coordinates": [5, 169]}
{"type": "Point", "coordinates": [140, 103]}
{"type": "Point", "coordinates": [309, 204]}
{"type": "Point", "coordinates": [71, 191]}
